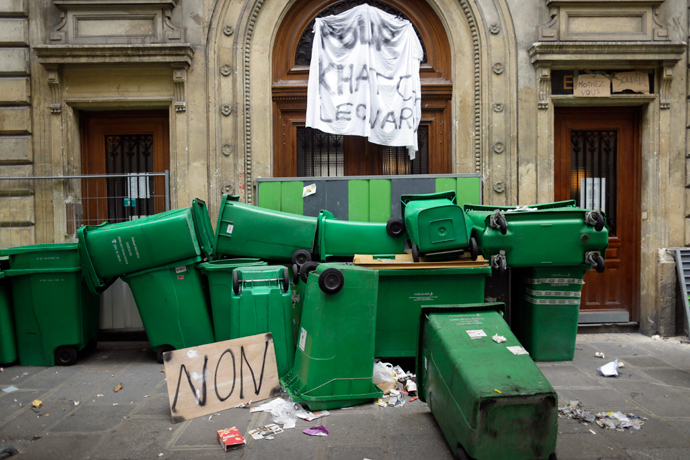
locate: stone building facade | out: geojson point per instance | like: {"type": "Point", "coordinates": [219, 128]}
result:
{"type": "Point", "coordinates": [221, 85]}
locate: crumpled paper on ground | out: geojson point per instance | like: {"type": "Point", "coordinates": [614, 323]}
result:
{"type": "Point", "coordinates": [610, 369]}
{"type": "Point", "coordinates": [608, 420]}
{"type": "Point", "coordinates": [318, 430]}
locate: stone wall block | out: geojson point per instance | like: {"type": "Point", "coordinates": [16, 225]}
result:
{"type": "Point", "coordinates": [667, 280]}
{"type": "Point", "coordinates": [17, 236]}
{"type": "Point", "coordinates": [14, 32]}
{"type": "Point", "coordinates": [15, 150]}
{"type": "Point", "coordinates": [15, 187]}
{"type": "Point", "coordinates": [13, 8]}
{"type": "Point", "coordinates": [15, 91]}
{"type": "Point", "coordinates": [15, 120]}
{"type": "Point", "coordinates": [16, 209]}
{"type": "Point", "coordinates": [14, 61]}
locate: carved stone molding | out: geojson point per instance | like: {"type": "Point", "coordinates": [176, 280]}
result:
{"type": "Point", "coordinates": [544, 85]}
{"type": "Point", "coordinates": [180, 87]}
{"type": "Point", "coordinates": [665, 90]}
{"type": "Point", "coordinates": [115, 21]}
{"type": "Point", "coordinates": [53, 76]}
{"type": "Point", "coordinates": [605, 53]}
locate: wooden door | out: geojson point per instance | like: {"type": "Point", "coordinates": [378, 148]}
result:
{"type": "Point", "coordinates": [597, 163]}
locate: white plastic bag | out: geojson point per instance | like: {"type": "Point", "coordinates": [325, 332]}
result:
{"type": "Point", "coordinates": [383, 372]}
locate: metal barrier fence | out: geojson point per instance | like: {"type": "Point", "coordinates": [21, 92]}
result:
{"type": "Point", "coordinates": [50, 209]}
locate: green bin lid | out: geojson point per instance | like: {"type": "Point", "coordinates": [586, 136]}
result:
{"type": "Point", "coordinates": [229, 264]}
{"type": "Point", "coordinates": [38, 248]}
{"type": "Point", "coordinates": [405, 199]}
{"type": "Point", "coordinates": [202, 227]}
{"type": "Point", "coordinates": [181, 263]}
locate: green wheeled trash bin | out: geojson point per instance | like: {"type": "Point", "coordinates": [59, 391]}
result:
{"type": "Point", "coordinates": [546, 309]}
{"type": "Point", "coordinates": [342, 239]}
{"type": "Point", "coordinates": [550, 234]}
{"type": "Point", "coordinates": [491, 401]}
{"type": "Point", "coordinates": [334, 359]}
{"type": "Point", "coordinates": [437, 227]}
{"type": "Point", "coordinates": [219, 275]}
{"type": "Point", "coordinates": [244, 230]}
{"type": "Point", "coordinates": [261, 302]}
{"type": "Point", "coordinates": [173, 304]}
{"type": "Point", "coordinates": [55, 315]}
{"type": "Point", "coordinates": [111, 250]}
{"type": "Point", "coordinates": [8, 341]}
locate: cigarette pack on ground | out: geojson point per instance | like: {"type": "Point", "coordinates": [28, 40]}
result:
{"type": "Point", "coordinates": [230, 437]}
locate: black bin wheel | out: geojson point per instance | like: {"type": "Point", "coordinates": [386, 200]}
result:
{"type": "Point", "coordinates": [305, 269]}
{"type": "Point", "coordinates": [415, 253]}
{"type": "Point", "coordinates": [553, 456]}
{"type": "Point", "coordinates": [301, 257]}
{"type": "Point", "coordinates": [65, 356]}
{"type": "Point", "coordinates": [462, 454]}
{"type": "Point", "coordinates": [599, 226]}
{"type": "Point", "coordinates": [286, 280]}
{"type": "Point", "coordinates": [235, 282]}
{"type": "Point", "coordinates": [331, 281]}
{"type": "Point", "coordinates": [395, 227]}
{"type": "Point", "coordinates": [474, 249]}
{"type": "Point", "coordinates": [295, 273]}
{"type": "Point", "coordinates": [164, 349]}
{"type": "Point", "coordinates": [502, 224]}
{"type": "Point", "coordinates": [599, 264]}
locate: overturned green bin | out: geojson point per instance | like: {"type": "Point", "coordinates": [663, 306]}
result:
{"type": "Point", "coordinates": [490, 400]}
{"type": "Point", "coordinates": [8, 341]}
{"type": "Point", "coordinates": [173, 304]}
{"type": "Point", "coordinates": [334, 360]}
{"type": "Point", "coordinates": [55, 315]}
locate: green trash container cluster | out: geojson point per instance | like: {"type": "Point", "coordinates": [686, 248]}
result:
{"type": "Point", "coordinates": [8, 341]}
{"type": "Point", "coordinates": [546, 310]}
{"type": "Point", "coordinates": [490, 403]}
{"type": "Point", "coordinates": [55, 315]}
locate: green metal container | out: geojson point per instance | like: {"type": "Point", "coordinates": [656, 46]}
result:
{"type": "Point", "coordinates": [249, 231]}
{"type": "Point", "coordinates": [546, 310]}
{"type": "Point", "coordinates": [261, 302]}
{"type": "Point", "coordinates": [436, 226]}
{"type": "Point", "coordinates": [334, 359]}
{"type": "Point", "coordinates": [551, 234]}
{"type": "Point", "coordinates": [55, 316]}
{"type": "Point", "coordinates": [173, 304]}
{"type": "Point", "coordinates": [402, 293]}
{"type": "Point", "coordinates": [8, 340]}
{"type": "Point", "coordinates": [219, 274]}
{"type": "Point", "coordinates": [111, 250]}
{"type": "Point", "coordinates": [342, 239]}
{"type": "Point", "coordinates": [490, 403]}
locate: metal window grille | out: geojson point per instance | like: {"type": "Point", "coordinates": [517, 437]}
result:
{"type": "Point", "coordinates": [397, 161]}
{"type": "Point", "coordinates": [319, 153]}
{"type": "Point", "coordinates": [593, 172]}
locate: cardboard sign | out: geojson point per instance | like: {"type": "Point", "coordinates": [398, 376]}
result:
{"type": "Point", "coordinates": [592, 86]}
{"type": "Point", "coordinates": [634, 81]}
{"type": "Point", "coordinates": [218, 376]}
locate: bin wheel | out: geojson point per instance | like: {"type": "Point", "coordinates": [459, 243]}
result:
{"type": "Point", "coordinates": [305, 269]}
{"type": "Point", "coordinates": [599, 225]}
{"type": "Point", "coordinates": [553, 456]}
{"type": "Point", "coordinates": [235, 282]}
{"type": "Point", "coordinates": [600, 265]}
{"type": "Point", "coordinates": [462, 454]}
{"type": "Point", "coordinates": [295, 273]}
{"type": "Point", "coordinates": [6, 452]}
{"type": "Point", "coordinates": [286, 280]}
{"type": "Point", "coordinates": [474, 249]}
{"type": "Point", "coordinates": [395, 227]}
{"type": "Point", "coordinates": [502, 224]}
{"type": "Point", "coordinates": [415, 253]}
{"type": "Point", "coordinates": [301, 257]}
{"type": "Point", "coordinates": [65, 356]}
{"type": "Point", "coordinates": [331, 281]}
{"type": "Point", "coordinates": [163, 349]}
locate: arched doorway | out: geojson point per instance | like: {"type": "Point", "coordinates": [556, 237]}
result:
{"type": "Point", "coordinates": [301, 151]}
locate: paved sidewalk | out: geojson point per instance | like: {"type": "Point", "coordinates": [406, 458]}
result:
{"type": "Point", "coordinates": [134, 423]}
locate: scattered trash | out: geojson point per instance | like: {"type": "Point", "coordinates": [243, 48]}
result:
{"type": "Point", "coordinates": [99, 395]}
{"type": "Point", "coordinates": [498, 338]}
{"type": "Point", "coordinates": [318, 430]}
{"type": "Point", "coordinates": [7, 451]}
{"type": "Point", "coordinates": [10, 389]}
{"type": "Point", "coordinates": [411, 387]}
{"type": "Point", "coordinates": [656, 337]}
{"type": "Point", "coordinates": [610, 369]}
{"type": "Point", "coordinates": [263, 431]}
{"type": "Point", "coordinates": [592, 431]}
{"type": "Point", "coordinates": [161, 454]}
{"type": "Point", "coordinates": [414, 399]}
{"type": "Point", "coordinates": [230, 437]}
{"type": "Point", "coordinates": [517, 350]}
{"type": "Point", "coordinates": [384, 376]}
{"type": "Point", "coordinates": [498, 391]}
{"type": "Point", "coordinates": [607, 420]}
{"type": "Point", "coordinates": [76, 403]}
{"type": "Point", "coordinates": [2, 370]}
{"type": "Point", "coordinates": [476, 334]}
{"type": "Point", "coordinates": [244, 404]}
{"type": "Point", "coordinates": [117, 387]}
{"type": "Point", "coordinates": [212, 415]}
{"type": "Point", "coordinates": [37, 403]}
{"type": "Point", "coordinates": [599, 354]}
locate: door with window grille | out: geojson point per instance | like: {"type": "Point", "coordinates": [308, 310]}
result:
{"type": "Point", "coordinates": [129, 143]}
{"type": "Point", "coordinates": [597, 164]}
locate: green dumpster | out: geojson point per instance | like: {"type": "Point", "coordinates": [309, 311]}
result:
{"type": "Point", "coordinates": [490, 403]}
{"type": "Point", "coordinates": [55, 315]}
{"type": "Point", "coordinates": [437, 227]}
{"type": "Point", "coordinates": [546, 310]}
{"type": "Point", "coordinates": [342, 239]}
{"type": "Point", "coordinates": [244, 230]}
{"type": "Point", "coordinates": [402, 293]}
{"type": "Point", "coordinates": [219, 274]}
{"type": "Point", "coordinates": [111, 250]}
{"type": "Point", "coordinates": [334, 359]}
{"type": "Point", "coordinates": [8, 343]}
{"type": "Point", "coordinates": [173, 303]}
{"type": "Point", "coordinates": [261, 302]}
{"type": "Point", "coordinates": [553, 234]}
